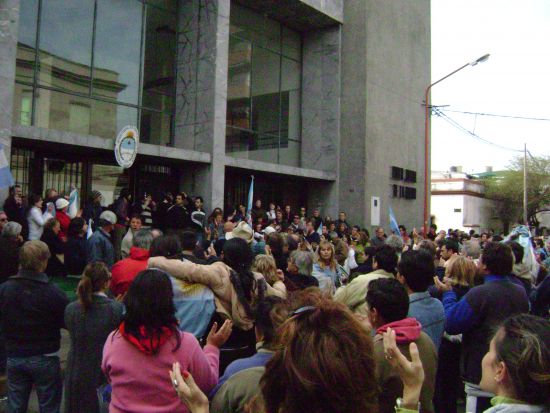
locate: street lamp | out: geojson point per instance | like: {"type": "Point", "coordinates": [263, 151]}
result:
{"type": "Point", "coordinates": [482, 59]}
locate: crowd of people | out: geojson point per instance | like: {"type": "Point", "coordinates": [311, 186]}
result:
{"type": "Point", "coordinates": [267, 310]}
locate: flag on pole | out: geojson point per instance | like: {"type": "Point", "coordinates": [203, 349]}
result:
{"type": "Point", "coordinates": [6, 178]}
{"type": "Point", "coordinates": [394, 226]}
{"type": "Point", "coordinates": [250, 201]}
{"type": "Point", "coordinates": [89, 233]}
{"type": "Point", "coordinates": [73, 203]}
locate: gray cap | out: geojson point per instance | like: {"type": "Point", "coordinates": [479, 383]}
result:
{"type": "Point", "coordinates": [108, 216]}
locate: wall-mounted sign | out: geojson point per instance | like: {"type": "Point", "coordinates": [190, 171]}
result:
{"type": "Point", "coordinates": [126, 146]}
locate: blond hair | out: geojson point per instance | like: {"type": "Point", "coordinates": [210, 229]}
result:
{"type": "Point", "coordinates": [332, 259]}
{"type": "Point", "coordinates": [34, 255]}
{"type": "Point", "coordinates": [265, 265]}
{"type": "Point", "coordinates": [462, 271]}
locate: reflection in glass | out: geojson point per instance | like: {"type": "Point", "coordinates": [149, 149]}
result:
{"type": "Point", "coordinates": [265, 94]}
{"type": "Point", "coordinates": [155, 127]}
{"type": "Point", "coordinates": [117, 50]}
{"type": "Point", "coordinates": [238, 83]}
{"type": "Point", "coordinates": [66, 44]}
{"type": "Point", "coordinates": [26, 41]}
{"type": "Point", "coordinates": [159, 59]}
{"type": "Point", "coordinates": [264, 89]}
{"type": "Point", "coordinates": [57, 110]}
{"type": "Point", "coordinates": [22, 105]}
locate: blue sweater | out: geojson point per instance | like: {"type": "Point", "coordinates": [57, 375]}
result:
{"type": "Point", "coordinates": [478, 313]}
{"type": "Point", "coordinates": [259, 359]}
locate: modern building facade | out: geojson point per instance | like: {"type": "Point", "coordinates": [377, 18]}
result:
{"type": "Point", "coordinates": [320, 100]}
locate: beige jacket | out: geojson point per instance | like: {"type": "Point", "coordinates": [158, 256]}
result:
{"type": "Point", "coordinates": [217, 277]}
{"type": "Point", "coordinates": [354, 294]}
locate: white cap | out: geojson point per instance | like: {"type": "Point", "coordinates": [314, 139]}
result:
{"type": "Point", "coordinates": [61, 203]}
{"type": "Point", "coordinates": [108, 216]}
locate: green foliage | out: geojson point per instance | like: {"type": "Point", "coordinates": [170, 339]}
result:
{"type": "Point", "coordinates": [506, 188]}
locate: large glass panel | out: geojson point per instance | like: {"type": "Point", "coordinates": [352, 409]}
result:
{"type": "Point", "coordinates": [289, 150]}
{"type": "Point", "coordinates": [260, 30]}
{"type": "Point", "coordinates": [265, 91]}
{"type": "Point", "coordinates": [61, 111]}
{"type": "Point", "coordinates": [66, 44]}
{"type": "Point", "coordinates": [155, 127]}
{"type": "Point", "coordinates": [117, 50]}
{"type": "Point", "coordinates": [238, 83]}
{"type": "Point", "coordinates": [292, 44]}
{"type": "Point", "coordinates": [109, 180]}
{"type": "Point", "coordinates": [26, 41]}
{"type": "Point", "coordinates": [160, 53]}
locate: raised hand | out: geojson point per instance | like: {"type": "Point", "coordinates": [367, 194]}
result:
{"type": "Point", "coordinates": [188, 391]}
{"type": "Point", "coordinates": [218, 338]}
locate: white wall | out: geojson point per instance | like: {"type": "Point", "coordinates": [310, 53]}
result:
{"type": "Point", "coordinates": [474, 212]}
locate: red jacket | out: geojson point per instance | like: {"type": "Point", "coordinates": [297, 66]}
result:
{"type": "Point", "coordinates": [124, 272]}
{"type": "Point", "coordinates": [64, 221]}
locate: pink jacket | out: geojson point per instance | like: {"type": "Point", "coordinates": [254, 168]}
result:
{"type": "Point", "coordinates": [141, 383]}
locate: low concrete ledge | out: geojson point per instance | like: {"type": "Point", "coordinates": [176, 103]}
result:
{"type": "Point", "coordinates": [279, 169]}
{"type": "Point", "coordinates": [90, 141]}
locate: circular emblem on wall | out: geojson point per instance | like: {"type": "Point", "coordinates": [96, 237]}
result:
{"type": "Point", "coordinates": [126, 146]}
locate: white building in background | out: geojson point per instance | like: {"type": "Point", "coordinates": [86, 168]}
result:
{"type": "Point", "coordinates": [458, 201]}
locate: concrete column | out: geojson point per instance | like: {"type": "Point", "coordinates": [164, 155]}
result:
{"type": "Point", "coordinates": [321, 113]}
{"type": "Point", "coordinates": [9, 18]}
{"type": "Point", "coordinates": [203, 43]}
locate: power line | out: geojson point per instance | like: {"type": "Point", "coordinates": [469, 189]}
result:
{"type": "Point", "coordinates": [496, 115]}
{"type": "Point", "coordinates": [458, 126]}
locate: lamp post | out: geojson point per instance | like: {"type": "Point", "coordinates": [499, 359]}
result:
{"type": "Point", "coordinates": [427, 134]}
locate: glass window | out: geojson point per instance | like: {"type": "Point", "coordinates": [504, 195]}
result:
{"type": "Point", "coordinates": [26, 109]}
{"type": "Point", "coordinates": [54, 110]}
{"type": "Point", "coordinates": [264, 89]}
{"type": "Point", "coordinates": [66, 44]}
{"type": "Point", "coordinates": [117, 50]}
{"type": "Point", "coordinates": [238, 83]}
{"type": "Point", "coordinates": [79, 118]}
{"type": "Point", "coordinates": [26, 42]}
{"type": "Point", "coordinates": [159, 59]}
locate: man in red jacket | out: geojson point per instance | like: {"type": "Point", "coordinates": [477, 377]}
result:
{"type": "Point", "coordinates": [124, 272]}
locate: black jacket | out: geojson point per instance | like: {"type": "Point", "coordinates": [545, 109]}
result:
{"type": "Point", "coordinates": [57, 247]}
{"type": "Point", "coordinates": [9, 257]}
{"type": "Point", "coordinates": [178, 217]}
{"type": "Point", "coordinates": [75, 255]}
{"type": "Point", "coordinates": [31, 314]}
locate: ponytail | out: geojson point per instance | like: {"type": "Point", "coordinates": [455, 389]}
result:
{"type": "Point", "coordinates": [94, 278]}
{"type": "Point", "coordinates": [84, 291]}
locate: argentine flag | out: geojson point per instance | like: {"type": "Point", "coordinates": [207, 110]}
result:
{"type": "Point", "coordinates": [89, 233]}
{"type": "Point", "coordinates": [393, 222]}
{"type": "Point", "coordinates": [73, 203]}
{"type": "Point", "coordinates": [6, 178]}
{"type": "Point", "coordinates": [320, 229]}
{"type": "Point", "coordinates": [250, 201]}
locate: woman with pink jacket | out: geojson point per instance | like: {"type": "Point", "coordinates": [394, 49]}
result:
{"type": "Point", "coordinates": [138, 354]}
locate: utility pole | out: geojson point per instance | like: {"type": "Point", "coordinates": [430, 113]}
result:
{"type": "Point", "coordinates": [525, 184]}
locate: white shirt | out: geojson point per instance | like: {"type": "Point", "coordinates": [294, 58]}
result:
{"type": "Point", "coordinates": [36, 220]}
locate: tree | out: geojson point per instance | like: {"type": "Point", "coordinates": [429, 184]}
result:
{"type": "Point", "coordinates": [506, 188]}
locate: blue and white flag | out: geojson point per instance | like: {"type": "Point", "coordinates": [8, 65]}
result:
{"type": "Point", "coordinates": [73, 203]}
{"type": "Point", "coordinates": [250, 201]}
{"type": "Point", "coordinates": [89, 233]}
{"type": "Point", "coordinates": [320, 229]}
{"type": "Point", "coordinates": [394, 226]}
{"type": "Point", "coordinates": [6, 178]}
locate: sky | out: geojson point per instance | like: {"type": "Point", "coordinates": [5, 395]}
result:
{"type": "Point", "coordinates": [514, 81]}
